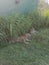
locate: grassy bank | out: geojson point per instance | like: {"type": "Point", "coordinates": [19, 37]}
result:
{"type": "Point", "coordinates": [32, 54]}
{"type": "Point", "coordinates": [17, 25]}
{"type": "Point", "coordinates": [36, 52]}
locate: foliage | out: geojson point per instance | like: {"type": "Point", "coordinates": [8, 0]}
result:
{"type": "Point", "coordinates": [42, 36]}
{"type": "Point", "coordinates": [17, 25]}
{"type": "Point", "coordinates": [45, 12]}
{"type": "Point", "coordinates": [19, 53]}
{"type": "Point", "coordinates": [20, 25]}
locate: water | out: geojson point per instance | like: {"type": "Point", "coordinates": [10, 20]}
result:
{"type": "Point", "coordinates": [10, 6]}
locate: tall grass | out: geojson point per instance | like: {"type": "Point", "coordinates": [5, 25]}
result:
{"type": "Point", "coordinates": [17, 25]}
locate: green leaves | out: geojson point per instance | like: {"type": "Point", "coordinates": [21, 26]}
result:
{"type": "Point", "coordinates": [17, 25]}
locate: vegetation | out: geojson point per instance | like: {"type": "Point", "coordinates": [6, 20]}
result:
{"type": "Point", "coordinates": [45, 12]}
{"type": "Point", "coordinates": [19, 53]}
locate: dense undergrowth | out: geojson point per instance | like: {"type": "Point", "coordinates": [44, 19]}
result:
{"type": "Point", "coordinates": [33, 53]}
{"type": "Point", "coordinates": [17, 25]}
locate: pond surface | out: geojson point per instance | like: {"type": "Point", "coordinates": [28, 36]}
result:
{"type": "Point", "coordinates": [10, 6]}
